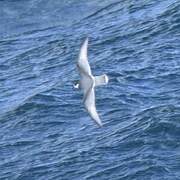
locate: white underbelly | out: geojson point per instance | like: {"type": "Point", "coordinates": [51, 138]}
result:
{"type": "Point", "coordinates": [86, 83]}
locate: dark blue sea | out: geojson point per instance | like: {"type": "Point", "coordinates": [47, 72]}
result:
{"type": "Point", "coordinates": [45, 131]}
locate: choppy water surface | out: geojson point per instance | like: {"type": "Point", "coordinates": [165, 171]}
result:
{"type": "Point", "coordinates": [45, 133]}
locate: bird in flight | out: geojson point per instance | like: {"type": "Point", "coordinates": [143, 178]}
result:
{"type": "Point", "coordinates": [88, 82]}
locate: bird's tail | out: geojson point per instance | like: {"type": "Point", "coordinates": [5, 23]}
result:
{"type": "Point", "coordinates": [101, 80]}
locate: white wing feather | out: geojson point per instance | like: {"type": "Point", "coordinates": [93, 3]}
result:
{"type": "Point", "coordinates": [83, 64]}
{"type": "Point", "coordinates": [89, 101]}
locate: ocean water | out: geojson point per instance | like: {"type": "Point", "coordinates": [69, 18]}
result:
{"type": "Point", "coordinates": [45, 132]}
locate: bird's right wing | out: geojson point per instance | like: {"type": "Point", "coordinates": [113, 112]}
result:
{"type": "Point", "coordinates": [83, 64]}
{"type": "Point", "coordinates": [89, 101]}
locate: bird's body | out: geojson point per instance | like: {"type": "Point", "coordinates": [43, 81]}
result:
{"type": "Point", "coordinates": [88, 82]}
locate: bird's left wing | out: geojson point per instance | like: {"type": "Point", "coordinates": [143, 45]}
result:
{"type": "Point", "coordinates": [83, 64]}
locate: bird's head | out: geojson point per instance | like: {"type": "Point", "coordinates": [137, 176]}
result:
{"type": "Point", "coordinates": [76, 84]}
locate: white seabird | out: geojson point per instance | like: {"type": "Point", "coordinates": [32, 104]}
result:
{"type": "Point", "coordinates": [88, 82]}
